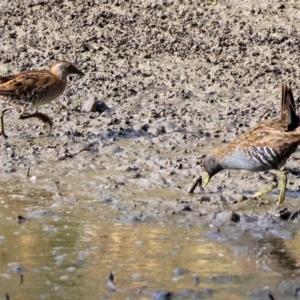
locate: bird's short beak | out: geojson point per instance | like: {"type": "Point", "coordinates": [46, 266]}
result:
{"type": "Point", "coordinates": [78, 72]}
{"type": "Point", "coordinates": [206, 179]}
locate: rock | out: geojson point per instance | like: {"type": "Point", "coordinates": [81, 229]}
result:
{"type": "Point", "coordinates": [92, 104]}
{"type": "Point", "coordinates": [162, 295]}
{"type": "Point", "coordinates": [16, 268]}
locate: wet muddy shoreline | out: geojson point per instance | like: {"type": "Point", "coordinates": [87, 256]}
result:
{"type": "Point", "coordinates": [178, 79]}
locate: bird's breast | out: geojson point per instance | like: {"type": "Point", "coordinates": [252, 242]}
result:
{"type": "Point", "coordinates": [44, 96]}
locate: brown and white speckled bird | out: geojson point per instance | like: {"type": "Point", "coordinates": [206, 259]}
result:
{"type": "Point", "coordinates": [34, 88]}
{"type": "Point", "coordinates": [265, 147]}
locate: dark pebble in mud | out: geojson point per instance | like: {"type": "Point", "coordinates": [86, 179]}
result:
{"type": "Point", "coordinates": [226, 216]}
{"type": "Point", "coordinates": [283, 213]}
{"type": "Point", "coordinates": [21, 219]}
{"type": "Point", "coordinates": [235, 217]}
{"type": "Point", "coordinates": [162, 295]}
{"type": "Point", "coordinates": [10, 170]}
{"type": "Point", "coordinates": [186, 208]}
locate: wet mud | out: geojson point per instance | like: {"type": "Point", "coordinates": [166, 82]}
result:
{"type": "Point", "coordinates": [166, 81]}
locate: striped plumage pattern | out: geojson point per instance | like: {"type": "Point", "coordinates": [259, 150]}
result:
{"type": "Point", "coordinates": [266, 146]}
{"type": "Point", "coordinates": [269, 157]}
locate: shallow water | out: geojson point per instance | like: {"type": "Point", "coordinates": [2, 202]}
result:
{"type": "Point", "coordinates": [66, 249]}
{"type": "Point", "coordinates": [103, 219]}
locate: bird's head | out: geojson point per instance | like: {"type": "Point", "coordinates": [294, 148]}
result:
{"type": "Point", "coordinates": [211, 167]}
{"type": "Point", "coordinates": [63, 69]}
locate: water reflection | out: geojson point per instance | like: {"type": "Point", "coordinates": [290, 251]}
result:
{"type": "Point", "coordinates": [71, 241]}
{"type": "Point", "coordinates": [69, 256]}
{"type": "Point", "coordinates": [276, 250]}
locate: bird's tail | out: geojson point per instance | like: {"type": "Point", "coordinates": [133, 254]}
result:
{"type": "Point", "coordinates": [288, 109]}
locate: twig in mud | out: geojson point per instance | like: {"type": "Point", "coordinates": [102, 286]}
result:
{"type": "Point", "coordinates": [28, 171]}
{"type": "Point", "coordinates": [293, 216]}
{"type": "Point", "coordinates": [162, 111]}
{"type": "Point", "coordinates": [271, 297]}
{"type": "Point", "coordinates": [57, 184]}
{"type": "Point", "coordinates": [197, 181]}
{"type": "Point", "coordinates": [110, 282]}
{"type": "Point", "coordinates": [57, 187]}
{"type": "Point", "coordinates": [39, 3]}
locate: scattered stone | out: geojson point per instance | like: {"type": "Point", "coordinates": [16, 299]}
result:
{"type": "Point", "coordinates": [235, 217]}
{"type": "Point", "coordinates": [92, 104]}
{"type": "Point", "coordinates": [21, 219]}
{"type": "Point", "coordinates": [186, 207]}
{"type": "Point", "coordinates": [16, 268]}
{"type": "Point", "coordinates": [139, 243]}
{"type": "Point", "coordinates": [162, 295]}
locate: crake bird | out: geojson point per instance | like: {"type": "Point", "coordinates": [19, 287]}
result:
{"type": "Point", "coordinates": [34, 88]}
{"type": "Point", "coordinates": [265, 147]}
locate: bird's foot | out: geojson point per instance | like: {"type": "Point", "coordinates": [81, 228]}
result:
{"type": "Point", "coordinates": [3, 134]}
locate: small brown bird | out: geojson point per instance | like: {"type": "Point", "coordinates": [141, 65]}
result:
{"type": "Point", "coordinates": [265, 147]}
{"type": "Point", "coordinates": [34, 88]}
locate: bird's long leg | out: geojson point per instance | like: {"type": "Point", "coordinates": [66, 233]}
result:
{"type": "Point", "coordinates": [267, 189]}
{"type": "Point", "coordinates": [44, 118]}
{"type": "Point", "coordinates": [2, 121]}
{"type": "Point", "coordinates": [273, 186]}
{"type": "Point", "coordinates": [283, 178]}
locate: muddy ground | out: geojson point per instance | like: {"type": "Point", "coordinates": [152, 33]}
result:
{"type": "Point", "coordinates": [178, 77]}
